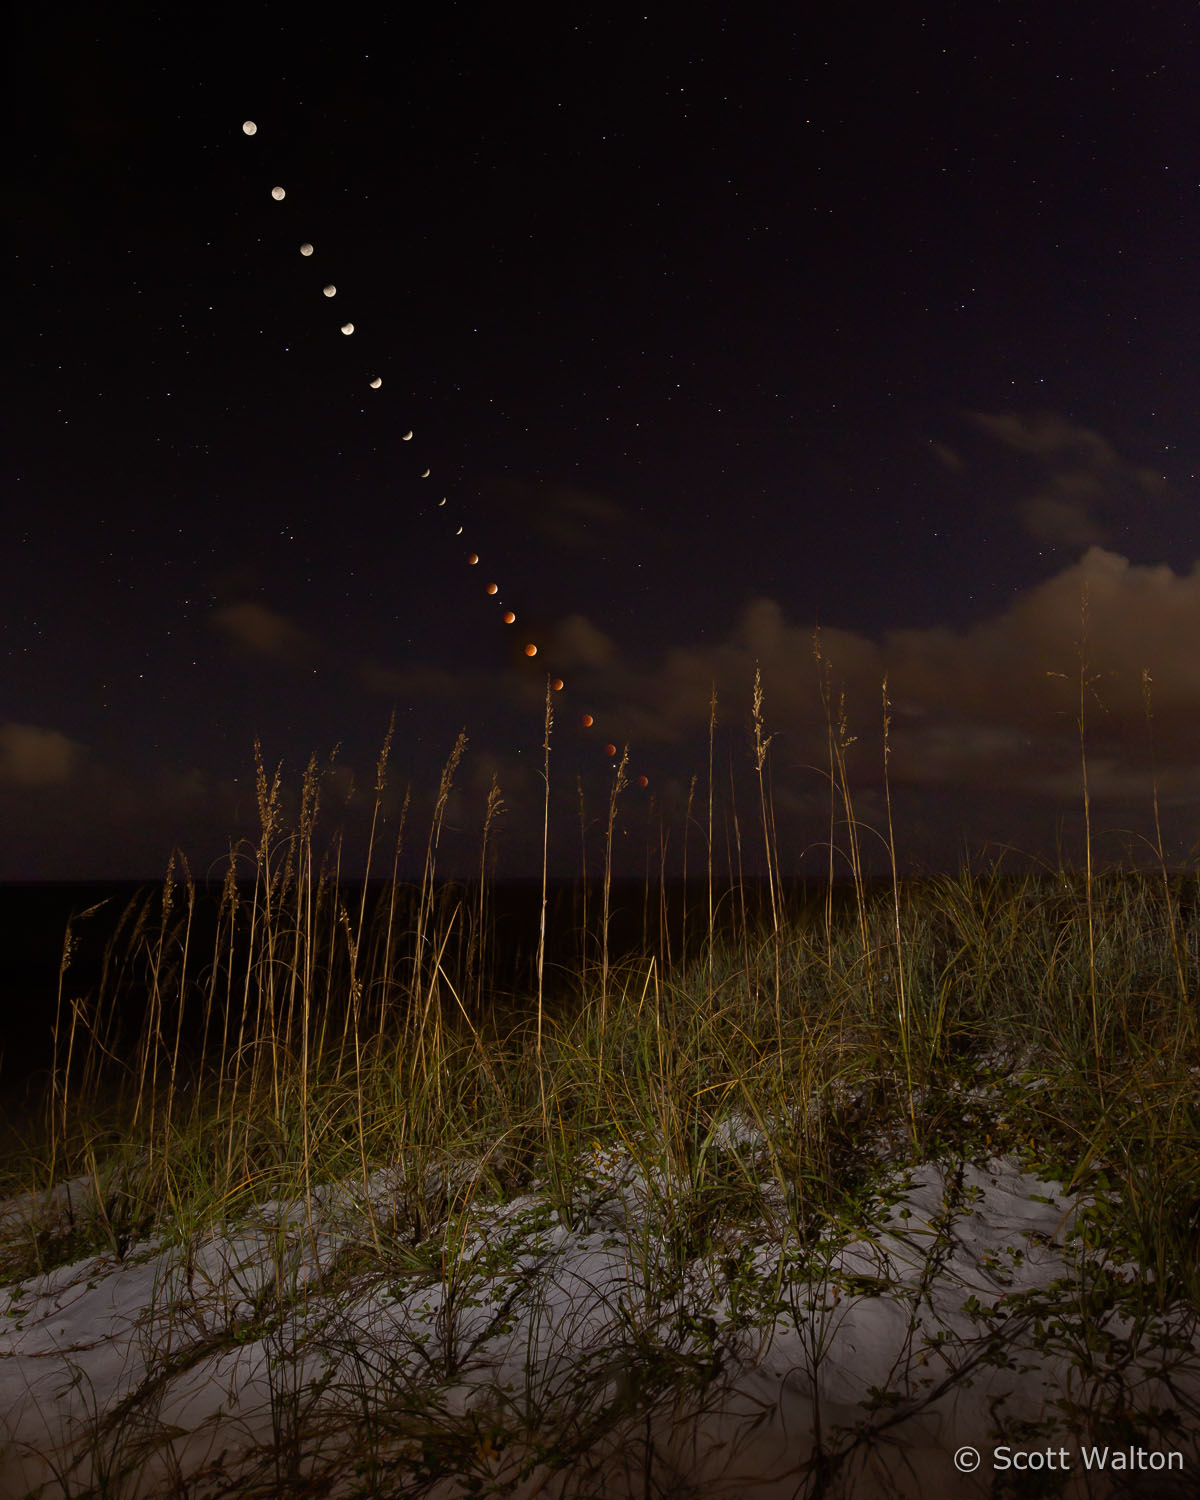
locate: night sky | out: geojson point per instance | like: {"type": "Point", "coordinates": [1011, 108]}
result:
{"type": "Point", "coordinates": [709, 329]}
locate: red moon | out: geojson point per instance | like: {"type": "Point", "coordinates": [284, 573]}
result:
{"type": "Point", "coordinates": [557, 684]}
{"type": "Point", "coordinates": [587, 721]}
{"type": "Point", "coordinates": [473, 559]}
{"type": "Point", "coordinates": [492, 588]}
{"type": "Point", "coordinates": [531, 649]}
{"type": "Point", "coordinates": [610, 749]}
{"type": "Point", "coordinates": [643, 781]}
{"type": "Point", "coordinates": [509, 617]}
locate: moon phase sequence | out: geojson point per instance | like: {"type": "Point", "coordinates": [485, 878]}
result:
{"type": "Point", "coordinates": [330, 290]}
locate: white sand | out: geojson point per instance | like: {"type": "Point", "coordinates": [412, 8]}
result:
{"type": "Point", "coordinates": [892, 1349]}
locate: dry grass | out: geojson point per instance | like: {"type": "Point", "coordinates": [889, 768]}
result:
{"type": "Point", "coordinates": [322, 1037]}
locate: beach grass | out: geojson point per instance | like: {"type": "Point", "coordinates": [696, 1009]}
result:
{"type": "Point", "coordinates": [765, 1071]}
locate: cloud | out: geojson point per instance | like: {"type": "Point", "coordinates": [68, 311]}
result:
{"type": "Point", "coordinates": [1062, 512]}
{"type": "Point", "coordinates": [946, 456]}
{"type": "Point", "coordinates": [264, 632]}
{"type": "Point", "coordinates": [578, 643]}
{"type": "Point", "coordinates": [578, 518]}
{"type": "Point", "coordinates": [1049, 436]}
{"type": "Point", "coordinates": [1138, 616]}
{"type": "Point", "coordinates": [1082, 486]}
{"type": "Point", "coordinates": [70, 812]}
{"type": "Point", "coordinates": [989, 710]}
{"type": "Point", "coordinates": [32, 756]}
{"type": "Point", "coordinates": [998, 704]}
{"type": "Point", "coordinates": [984, 742]}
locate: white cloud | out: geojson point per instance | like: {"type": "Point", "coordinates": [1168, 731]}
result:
{"type": "Point", "coordinates": [1081, 486]}
{"type": "Point", "coordinates": [265, 632]}
{"type": "Point", "coordinates": [31, 755]}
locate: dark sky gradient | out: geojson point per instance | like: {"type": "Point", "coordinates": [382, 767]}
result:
{"type": "Point", "coordinates": [709, 329]}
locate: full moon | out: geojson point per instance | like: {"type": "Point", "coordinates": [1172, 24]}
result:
{"type": "Point", "coordinates": [249, 127]}
{"type": "Point", "coordinates": [278, 194]}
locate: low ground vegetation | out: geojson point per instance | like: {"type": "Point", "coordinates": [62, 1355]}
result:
{"type": "Point", "coordinates": [790, 1208]}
